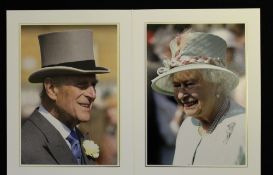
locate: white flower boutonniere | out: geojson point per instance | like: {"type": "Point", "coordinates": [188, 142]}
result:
{"type": "Point", "coordinates": [91, 149]}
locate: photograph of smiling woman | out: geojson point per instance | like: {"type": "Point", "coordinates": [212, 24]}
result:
{"type": "Point", "coordinates": [211, 131]}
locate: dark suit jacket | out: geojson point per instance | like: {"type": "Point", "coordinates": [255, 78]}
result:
{"type": "Point", "coordinates": [41, 143]}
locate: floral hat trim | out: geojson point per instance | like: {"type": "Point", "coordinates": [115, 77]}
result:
{"type": "Point", "coordinates": [179, 57]}
{"type": "Point", "coordinates": [185, 60]}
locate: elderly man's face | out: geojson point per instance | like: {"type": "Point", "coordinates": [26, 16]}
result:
{"type": "Point", "coordinates": [197, 96]}
{"type": "Point", "coordinates": [74, 96]}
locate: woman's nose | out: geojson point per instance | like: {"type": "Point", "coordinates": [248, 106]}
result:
{"type": "Point", "coordinates": [181, 92]}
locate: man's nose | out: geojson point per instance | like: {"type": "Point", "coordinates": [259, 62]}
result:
{"type": "Point", "coordinates": [91, 92]}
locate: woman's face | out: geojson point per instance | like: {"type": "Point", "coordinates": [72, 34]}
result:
{"type": "Point", "coordinates": [196, 95]}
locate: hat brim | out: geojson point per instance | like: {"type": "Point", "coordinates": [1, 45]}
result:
{"type": "Point", "coordinates": [41, 74]}
{"type": "Point", "coordinates": [163, 83]}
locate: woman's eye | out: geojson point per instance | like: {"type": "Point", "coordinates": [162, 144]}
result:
{"type": "Point", "coordinates": [176, 85]}
{"type": "Point", "coordinates": [190, 84]}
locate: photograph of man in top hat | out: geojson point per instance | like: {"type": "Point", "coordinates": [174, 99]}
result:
{"type": "Point", "coordinates": [68, 74]}
{"type": "Point", "coordinates": [199, 67]}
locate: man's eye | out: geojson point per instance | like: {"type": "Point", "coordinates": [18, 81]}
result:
{"type": "Point", "coordinates": [94, 85]}
{"type": "Point", "coordinates": [82, 85]}
{"type": "Point", "coordinates": [85, 85]}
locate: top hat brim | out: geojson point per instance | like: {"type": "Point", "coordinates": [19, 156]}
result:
{"type": "Point", "coordinates": [41, 74]}
{"type": "Point", "coordinates": [163, 84]}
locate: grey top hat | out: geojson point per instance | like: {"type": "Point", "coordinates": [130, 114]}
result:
{"type": "Point", "coordinates": [192, 51]}
{"type": "Point", "coordinates": [66, 53]}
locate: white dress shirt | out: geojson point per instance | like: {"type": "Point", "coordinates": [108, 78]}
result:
{"type": "Point", "coordinates": [63, 130]}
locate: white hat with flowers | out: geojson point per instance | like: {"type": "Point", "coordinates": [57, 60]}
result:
{"type": "Point", "coordinates": [192, 51]}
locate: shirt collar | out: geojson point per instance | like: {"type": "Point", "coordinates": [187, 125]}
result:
{"type": "Point", "coordinates": [63, 130]}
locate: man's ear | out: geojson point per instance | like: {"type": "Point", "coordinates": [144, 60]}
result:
{"type": "Point", "coordinates": [50, 88]}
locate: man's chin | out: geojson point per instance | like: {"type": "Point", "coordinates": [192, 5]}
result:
{"type": "Point", "coordinates": [84, 118]}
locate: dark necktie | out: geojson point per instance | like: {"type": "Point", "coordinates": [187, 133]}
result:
{"type": "Point", "coordinates": [75, 146]}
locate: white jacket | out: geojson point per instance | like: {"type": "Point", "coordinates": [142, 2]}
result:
{"type": "Point", "coordinates": [225, 146]}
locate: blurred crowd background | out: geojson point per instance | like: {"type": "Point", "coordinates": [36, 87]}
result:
{"type": "Point", "coordinates": [164, 116]}
{"type": "Point", "coordinates": [103, 126]}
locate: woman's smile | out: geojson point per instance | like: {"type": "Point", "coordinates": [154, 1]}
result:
{"type": "Point", "coordinates": [189, 102]}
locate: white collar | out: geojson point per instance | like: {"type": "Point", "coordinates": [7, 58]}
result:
{"type": "Point", "coordinates": [63, 130]}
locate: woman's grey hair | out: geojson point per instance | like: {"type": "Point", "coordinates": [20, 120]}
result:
{"type": "Point", "coordinates": [220, 78]}
{"type": "Point", "coordinates": [217, 77]}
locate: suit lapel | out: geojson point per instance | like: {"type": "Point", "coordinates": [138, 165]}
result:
{"type": "Point", "coordinates": [56, 144]}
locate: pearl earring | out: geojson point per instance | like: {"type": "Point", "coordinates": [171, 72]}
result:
{"type": "Point", "coordinates": [217, 95]}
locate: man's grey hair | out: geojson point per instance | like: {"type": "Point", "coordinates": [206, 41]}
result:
{"type": "Point", "coordinates": [43, 94]}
